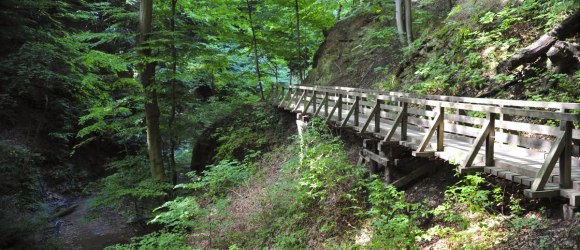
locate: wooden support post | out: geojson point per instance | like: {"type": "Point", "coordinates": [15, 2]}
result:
{"type": "Point", "coordinates": [299, 101]}
{"type": "Point", "coordinates": [284, 98]}
{"type": "Point", "coordinates": [356, 107]}
{"type": "Point", "coordinates": [565, 163]}
{"type": "Point", "coordinates": [323, 103]}
{"type": "Point", "coordinates": [544, 174]}
{"type": "Point", "coordinates": [292, 96]}
{"type": "Point", "coordinates": [404, 122]}
{"type": "Point", "coordinates": [339, 107]}
{"type": "Point", "coordinates": [311, 102]}
{"type": "Point", "coordinates": [490, 141]}
{"type": "Point", "coordinates": [336, 107]}
{"type": "Point", "coordinates": [487, 136]}
{"type": "Point", "coordinates": [440, 129]}
{"type": "Point", "coordinates": [400, 120]}
{"type": "Point", "coordinates": [377, 117]}
{"type": "Point", "coordinates": [386, 151]}
{"type": "Point", "coordinates": [371, 145]}
{"type": "Point", "coordinates": [326, 104]}
{"type": "Point", "coordinates": [437, 126]}
{"type": "Point", "coordinates": [353, 109]}
{"type": "Point", "coordinates": [372, 115]}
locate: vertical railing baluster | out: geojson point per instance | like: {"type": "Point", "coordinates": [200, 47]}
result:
{"type": "Point", "coordinates": [356, 109]}
{"type": "Point", "coordinates": [565, 161]}
{"type": "Point", "coordinates": [440, 129]}
{"type": "Point", "coordinates": [404, 122]}
{"type": "Point", "coordinates": [339, 107]}
{"type": "Point", "coordinates": [490, 141]}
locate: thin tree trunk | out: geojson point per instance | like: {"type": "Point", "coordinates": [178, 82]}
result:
{"type": "Point", "coordinates": [338, 12]}
{"type": "Point", "coordinates": [399, 20]}
{"type": "Point", "coordinates": [408, 22]}
{"type": "Point", "coordinates": [255, 50]}
{"type": "Point", "coordinates": [147, 78]}
{"type": "Point", "coordinates": [172, 136]}
{"type": "Point", "coordinates": [296, 8]}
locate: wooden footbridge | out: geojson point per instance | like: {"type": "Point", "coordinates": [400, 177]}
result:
{"type": "Point", "coordinates": [502, 137]}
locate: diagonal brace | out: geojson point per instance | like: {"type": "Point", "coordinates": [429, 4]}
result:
{"type": "Point", "coordinates": [546, 170]}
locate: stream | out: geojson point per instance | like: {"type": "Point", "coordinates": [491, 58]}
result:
{"type": "Point", "coordinates": [77, 232]}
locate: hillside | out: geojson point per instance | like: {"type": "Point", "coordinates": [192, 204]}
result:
{"type": "Point", "coordinates": [458, 51]}
{"type": "Point", "coordinates": [151, 125]}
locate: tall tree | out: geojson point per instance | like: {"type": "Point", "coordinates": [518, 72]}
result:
{"type": "Point", "coordinates": [408, 22]}
{"type": "Point", "coordinates": [297, 10]}
{"type": "Point", "coordinates": [252, 6]}
{"type": "Point", "coordinates": [172, 135]}
{"type": "Point", "coordinates": [403, 19]}
{"type": "Point", "coordinates": [147, 78]}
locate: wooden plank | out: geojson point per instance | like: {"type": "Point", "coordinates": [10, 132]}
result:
{"type": "Point", "coordinates": [523, 141]}
{"type": "Point", "coordinates": [418, 173]}
{"type": "Point", "coordinates": [514, 103]}
{"type": "Point", "coordinates": [528, 127]}
{"type": "Point", "coordinates": [375, 157]}
{"type": "Point", "coordinates": [546, 169]}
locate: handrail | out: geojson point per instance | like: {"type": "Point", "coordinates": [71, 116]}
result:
{"type": "Point", "coordinates": [504, 102]}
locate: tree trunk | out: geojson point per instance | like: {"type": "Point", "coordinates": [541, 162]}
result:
{"type": "Point", "coordinates": [296, 8]}
{"type": "Point", "coordinates": [147, 78]}
{"type": "Point", "coordinates": [172, 136]}
{"type": "Point", "coordinates": [399, 20]}
{"type": "Point", "coordinates": [565, 57]}
{"type": "Point", "coordinates": [338, 11]}
{"type": "Point", "coordinates": [408, 22]}
{"type": "Point", "coordinates": [569, 27]}
{"type": "Point", "coordinates": [255, 50]}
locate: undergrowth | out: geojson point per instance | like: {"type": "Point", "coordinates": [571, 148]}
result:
{"type": "Point", "coordinates": [307, 195]}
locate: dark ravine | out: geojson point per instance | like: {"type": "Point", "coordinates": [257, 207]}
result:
{"type": "Point", "coordinates": [75, 231]}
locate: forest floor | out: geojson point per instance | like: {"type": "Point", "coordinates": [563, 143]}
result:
{"type": "Point", "coordinates": [77, 232]}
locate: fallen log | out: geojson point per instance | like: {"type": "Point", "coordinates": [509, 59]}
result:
{"type": "Point", "coordinates": [569, 27]}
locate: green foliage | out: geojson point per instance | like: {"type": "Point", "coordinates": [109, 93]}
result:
{"type": "Point", "coordinates": [218, 179]}
{"type": "Point", "coordinates": [128, 188]}
{"type": "Point", "coordinates": [394, 221]}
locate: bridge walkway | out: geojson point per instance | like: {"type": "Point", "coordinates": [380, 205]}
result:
{"type": "Point", "coordinates": [502, 137]}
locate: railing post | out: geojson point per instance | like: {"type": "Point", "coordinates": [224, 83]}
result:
{"type": "Point", "coordinates": [314, 101]}
{"type": "Point", "coordinates": [326, 104]}
{"type": "Point", "coordinates": [565, 161]}
{"type": "Point", "coordinates": [339, 107]}
{"type": "Point", "coordinates": [404, 122]}
{"type": "Point", "coordinates": [378, 117]}
{"type": "Point", "coordinates": [356, 109]}
{"type": "Point", "coordinates": [440, 129]}
{"type": "Point", "coordinates": [490, 141]}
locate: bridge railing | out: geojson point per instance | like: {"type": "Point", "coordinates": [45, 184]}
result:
{"type": "Point", "coordinates": [483, 121]}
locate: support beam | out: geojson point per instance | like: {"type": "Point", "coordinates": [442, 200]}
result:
{"type": "Point", "coordinates": [323, 103]}
{"type": "Point", "coordinates": [353, 109]}
{"type": "Point", "coordinates": [484, 136]}
{"type": "Point", "coordinates": [311, 102]}
{"type": "Point", "coordinates": [299, 101]}
{"type": "Point", "coordinates": [373, 115]}
{"type": "Point", "coordinates": [399, 120]}
{"type": "Point", "coordinates": [546, 170]}
{"type": "Point", "coordinates": [437, 126]}
{"type": "Point", "coordinates": [337, 106]}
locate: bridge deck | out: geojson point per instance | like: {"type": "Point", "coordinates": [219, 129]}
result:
{"type": "Point", "coordinates": [511, 160]}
